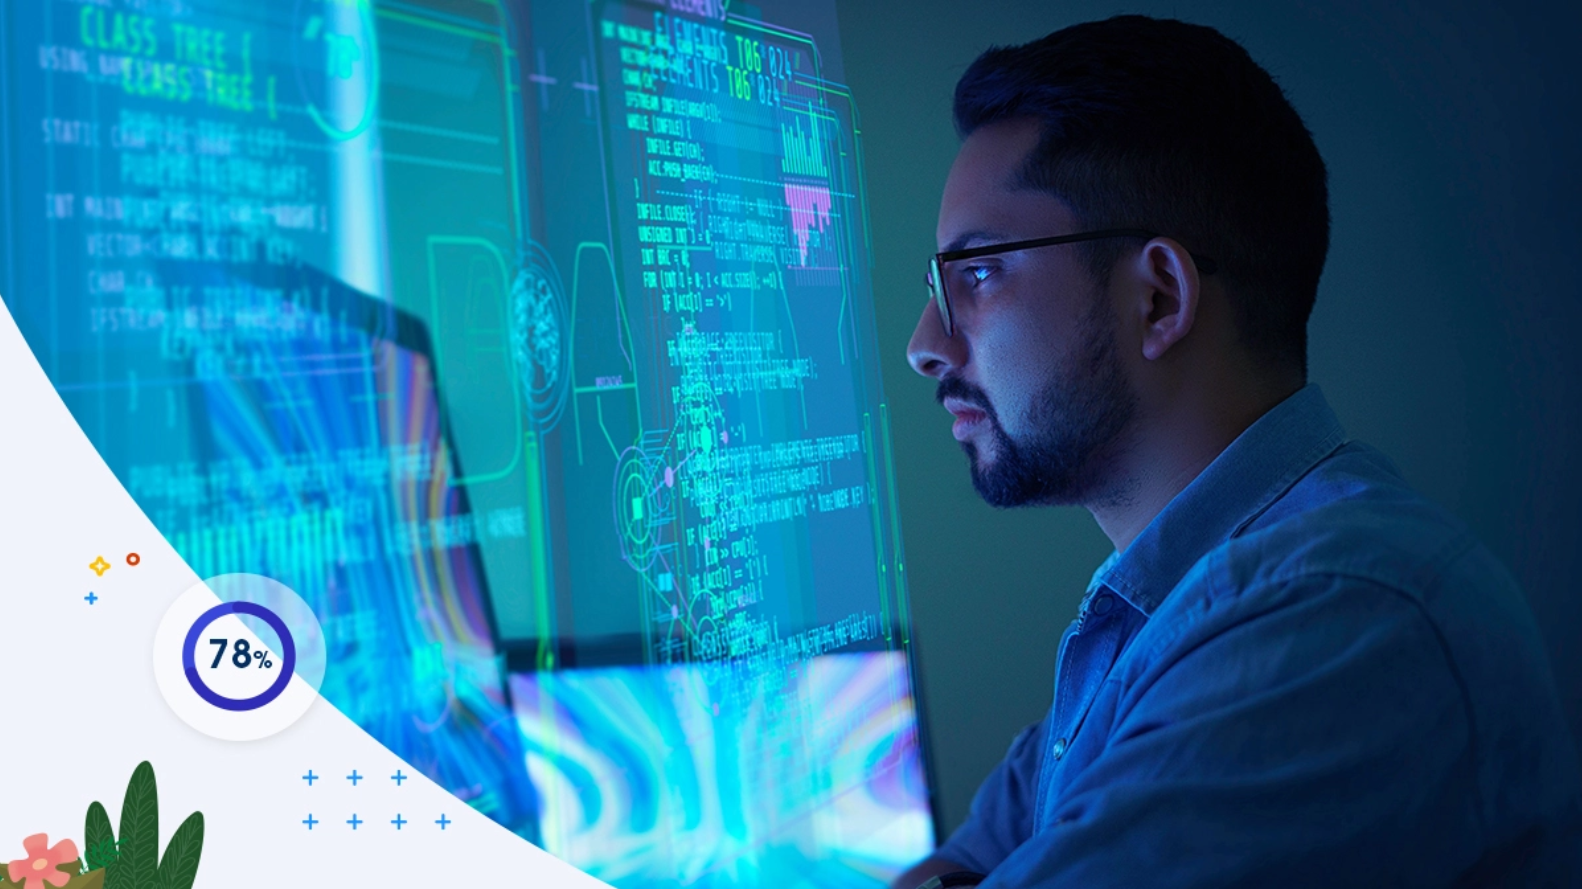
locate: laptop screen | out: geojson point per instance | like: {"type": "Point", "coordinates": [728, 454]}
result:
{"type": "Point", "coordinates": [670, 775]}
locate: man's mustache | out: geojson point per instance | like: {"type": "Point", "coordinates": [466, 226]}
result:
{"type": "Point", "coordinates": [956, 387]}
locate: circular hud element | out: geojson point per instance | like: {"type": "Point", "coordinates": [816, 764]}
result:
{"type": "Point", "coordinates": [335, 56]}
{"type": "Point", "coordinates": [540, 337]}
{"type": "Point", "coordinates": [638, 507]}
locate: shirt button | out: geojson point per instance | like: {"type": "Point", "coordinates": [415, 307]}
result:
{"type": "Point", "coordinates": [1060, 748]}
{"type": "Point", "coordinates": [1102, 604]}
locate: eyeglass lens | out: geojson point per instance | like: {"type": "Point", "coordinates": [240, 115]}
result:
{"type": "Point", "coordinates": [936, 287]}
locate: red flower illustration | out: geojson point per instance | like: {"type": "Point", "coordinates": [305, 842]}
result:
{"type": "Point", "coordinates": [39, 866]}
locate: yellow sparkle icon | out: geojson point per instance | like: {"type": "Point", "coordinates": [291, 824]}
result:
{"type": "Point", "coordinates": [99, 566]}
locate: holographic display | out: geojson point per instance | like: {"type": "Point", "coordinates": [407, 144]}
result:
{"type": "Point", "coordinates": [526, 338]}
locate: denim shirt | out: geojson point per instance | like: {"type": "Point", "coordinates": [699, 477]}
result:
{"type": "Point", "coordinates": [1301, 673]}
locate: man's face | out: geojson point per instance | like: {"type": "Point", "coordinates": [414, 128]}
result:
{"type": "Point", "coordinates": [1032, 374]}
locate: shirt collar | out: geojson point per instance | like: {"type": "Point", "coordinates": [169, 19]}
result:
{"type": "Point", "coordinates": [1243, 481]}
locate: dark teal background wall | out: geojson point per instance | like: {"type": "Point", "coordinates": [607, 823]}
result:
{"type": "Point", "coordinates": [1446, 331]}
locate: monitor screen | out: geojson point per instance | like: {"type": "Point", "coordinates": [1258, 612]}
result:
{"type": "Point", "coordinates": [695, 337]}
{"type": "Point", "coordinates": [649, 781]}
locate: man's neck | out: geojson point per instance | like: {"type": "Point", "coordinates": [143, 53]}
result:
{"type": "Point", "coordinates": [1170, 449]}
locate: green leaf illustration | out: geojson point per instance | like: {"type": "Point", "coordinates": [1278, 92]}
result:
{"type": "Point", "coordinates": [97, 829]}
{"type": "Point", "coordinates": [115, 874]}
{"type": "Point", "coordinates": [180, 865]}
{"type": "Point", "coordinates": [139, 861]}
{"type": "Point", "coordinates": [97, 836]}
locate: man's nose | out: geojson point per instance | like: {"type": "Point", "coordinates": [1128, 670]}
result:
{"type": "Point", "coordinates": [930, 352]}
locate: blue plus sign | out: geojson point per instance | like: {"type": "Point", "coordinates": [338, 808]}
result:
{"type": "Point", "coordinates": [310, 821]}
{"type": "Point", "coordinates": [398, 821]}
{"type": "Point", "coordinates": [91, 598]}
{"type": "Point", "coordinates": [398, 777]}
{"type": "Point", "coordinates": [443, 821]}
{"type": "Point", "coordinates": [354, 821]}
{"type": "Point", "coordinates": [310, 777]}
{"type": "Point", "coordinates": [354, 777]}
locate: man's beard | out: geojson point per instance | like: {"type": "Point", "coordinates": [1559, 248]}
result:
{"type": "Point", "coordinates": [1076, 420]}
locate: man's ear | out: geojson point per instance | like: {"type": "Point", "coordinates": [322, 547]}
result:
{"type": "Point", "coordinates": [1168, 295]}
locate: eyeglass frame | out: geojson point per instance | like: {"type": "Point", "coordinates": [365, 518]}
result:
{"type": "Point", "coordinates": [936, 266]}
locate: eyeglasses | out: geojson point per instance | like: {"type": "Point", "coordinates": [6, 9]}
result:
{"type": "Point", "coordinates": [936, 267]}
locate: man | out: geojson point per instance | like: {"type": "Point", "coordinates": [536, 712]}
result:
{"type": "Point", "coordinates": [1293, 671]}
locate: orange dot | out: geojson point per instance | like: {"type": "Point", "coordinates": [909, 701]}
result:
{"type": "Point", "coordinates": [133, 558]}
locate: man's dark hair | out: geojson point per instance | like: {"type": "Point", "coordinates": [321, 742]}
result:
{"type": "Point", "coordinates": [1172, 127]}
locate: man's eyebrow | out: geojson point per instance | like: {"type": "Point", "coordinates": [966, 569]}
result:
{"type": "Point", "coordinates": [972, 239]}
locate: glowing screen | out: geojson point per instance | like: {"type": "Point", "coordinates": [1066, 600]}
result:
{"type": "Point", "coordinates": [531, 342]}
{"type": "Point", "coordinates": [649, 781]}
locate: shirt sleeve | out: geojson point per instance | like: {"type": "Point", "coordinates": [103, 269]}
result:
{"type": "Point", "coordinates": [1001, 817]}
{"type": "Point", "coordinates": [1321, 743]}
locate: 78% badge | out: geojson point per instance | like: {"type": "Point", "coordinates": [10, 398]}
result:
{"type": "Point", "coordinates": [238, 692]}
{"type": "Point", "coordinates": [239, 657]}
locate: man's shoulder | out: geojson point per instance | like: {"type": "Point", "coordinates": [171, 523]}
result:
{"type": "Point", "coordinates": [1352, 520]}
{"type": "Point", "coordinates": [1352, 540]}
{"type": "Point", "coordinates": [1350, 548]}
{"type": "Point", "coordinates": [1366, 568]}
{"type": "Point", "coordinates": [1347, 540]}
